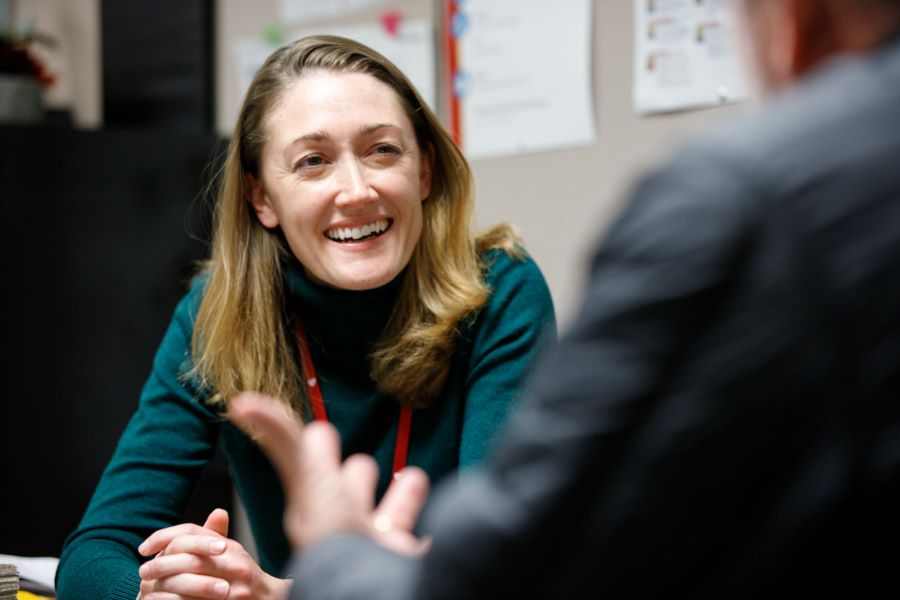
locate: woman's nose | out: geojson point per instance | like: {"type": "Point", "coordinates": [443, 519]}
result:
{"type": "Point", "coordinates": [353, 184]}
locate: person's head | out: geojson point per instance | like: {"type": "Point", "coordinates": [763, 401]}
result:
{"type": "Point", "coordinates": [336, 162]}
{"type": "Point", "coordinates": [789, 38]}
{"type": "Point", "coordinates": [342, 160]}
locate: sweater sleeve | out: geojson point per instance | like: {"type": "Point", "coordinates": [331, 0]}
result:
{"type": "Point", "coordinates": [149, 480]}
{"type": "Point", "coordinates": [507, 336]}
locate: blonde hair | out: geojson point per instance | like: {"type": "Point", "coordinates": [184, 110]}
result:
{"type": "Point", "coordinates": [242, 340]}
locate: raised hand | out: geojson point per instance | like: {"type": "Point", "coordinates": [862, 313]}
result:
{"type": "Point", "coordinates": [202, 562]}
{"type": "Point", "coordinates": [324, 496]}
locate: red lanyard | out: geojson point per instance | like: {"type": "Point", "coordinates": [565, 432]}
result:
{"type": "Point", "coordinates": [401, 448]}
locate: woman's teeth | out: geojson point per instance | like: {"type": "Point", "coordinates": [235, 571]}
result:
{"type": "Point", "coordinates": [354, 234]}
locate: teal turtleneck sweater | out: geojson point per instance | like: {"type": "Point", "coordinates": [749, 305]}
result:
{"type": "Point", "coordinates": [173, 434]}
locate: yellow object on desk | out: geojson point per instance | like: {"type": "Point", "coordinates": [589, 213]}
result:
{"type": "Point", "coordinates": [23, 595]}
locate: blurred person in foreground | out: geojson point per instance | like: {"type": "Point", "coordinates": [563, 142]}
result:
{"type": "Point", "coordinates": [723, 419]}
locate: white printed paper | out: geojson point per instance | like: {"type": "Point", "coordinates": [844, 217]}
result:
{"type": "Point", "coordinates": [686, 55]}
{"type": "Point", "coordinates": [523, 82]}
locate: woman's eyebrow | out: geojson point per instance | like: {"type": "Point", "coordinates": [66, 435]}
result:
{"type": "Point", "coordinates": [370, 129]}
{"type": "Point", "coordinates": [319, 136]}
{"type": "Point", "coordinates": [313, 136]}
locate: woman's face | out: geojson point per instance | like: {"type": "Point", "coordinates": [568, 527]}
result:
{"type": "Point", "coordinates": [342, 175]}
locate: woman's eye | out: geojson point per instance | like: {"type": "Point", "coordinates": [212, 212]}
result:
{"type": "Point", "coordinates": [386, 149]}
{"type": "Point", "coordinates": [310, 162]}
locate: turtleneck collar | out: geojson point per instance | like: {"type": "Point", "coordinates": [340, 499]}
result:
{"type": "Point", "coordinates": [341, 321]}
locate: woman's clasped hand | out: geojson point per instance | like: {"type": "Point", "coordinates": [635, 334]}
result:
{"type": "Point", "coordinates": [190, 561]}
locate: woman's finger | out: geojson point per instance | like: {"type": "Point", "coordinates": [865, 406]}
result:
{"type": "Point", "coordinates": [192, 585]}
{"type": "Point", "coordinates": [172, 564]}
{"type": "Point", "coordinates": [159, 540]}
{"type": "Point", "coordinates": [217, 521]}
{"type": "Point", "coordinates": [167, 596]}
{"type": "Point", "coordinates": [202, 545]}
{"type": "Point", "coordinates": [193, 556]}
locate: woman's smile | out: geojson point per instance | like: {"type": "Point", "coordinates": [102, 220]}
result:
{"type": "Point", "coordinates": [347, 234]}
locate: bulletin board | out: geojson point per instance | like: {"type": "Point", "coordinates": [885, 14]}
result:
{"type": "Point", "coordinates": [562, 200]}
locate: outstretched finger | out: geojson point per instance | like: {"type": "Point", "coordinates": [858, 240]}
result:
{"type": "Point", "coordinates": [404, 499]}
{"type": "Point", "coordinates": [320, 448]}
{"type": "Point", "coordinates": [360, 475]}
{"type": "Point", "coordinates": [267, 421]}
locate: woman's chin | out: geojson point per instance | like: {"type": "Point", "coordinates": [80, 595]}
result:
{"type": "Point", "coordinates": [359, 278]}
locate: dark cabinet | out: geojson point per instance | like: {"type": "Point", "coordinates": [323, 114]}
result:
{"type": "Point", "coordinates": [101, 232]}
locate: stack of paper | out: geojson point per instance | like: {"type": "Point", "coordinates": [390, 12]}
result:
{"type": "Point", "coordinates": [9, 582]}
{"type": "Point", "coordinates": [35, 574]}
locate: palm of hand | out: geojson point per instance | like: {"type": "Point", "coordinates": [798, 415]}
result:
{"type": "Point", "coordinates": [323, 495]}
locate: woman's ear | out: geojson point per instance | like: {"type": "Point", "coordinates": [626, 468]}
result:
{"type": "Point", "coordinates": [260, 202]}
{"type": "Point", "coordinates": [425, 172]}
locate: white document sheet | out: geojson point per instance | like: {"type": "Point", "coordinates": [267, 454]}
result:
{"type": "Point", "coordinates": [686, 55]}
{"type": "Point", "coordinates": [523, 82]}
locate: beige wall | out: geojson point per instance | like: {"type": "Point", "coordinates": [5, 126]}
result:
{"type": "Point", "coordinates": [75, 24]}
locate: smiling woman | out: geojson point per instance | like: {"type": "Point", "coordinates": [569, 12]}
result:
{"type": "Point", "coordinates": [345, 280]}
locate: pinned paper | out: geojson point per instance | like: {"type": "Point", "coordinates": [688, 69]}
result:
{"type": "Point", "coordinates": [391, 21]}
{"type": "Point", "coordinates": [460, 23]}
{"type": "Point", "coordinates": [520, 75]}
{"type": "Point", "coordinates": [685, 55]}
